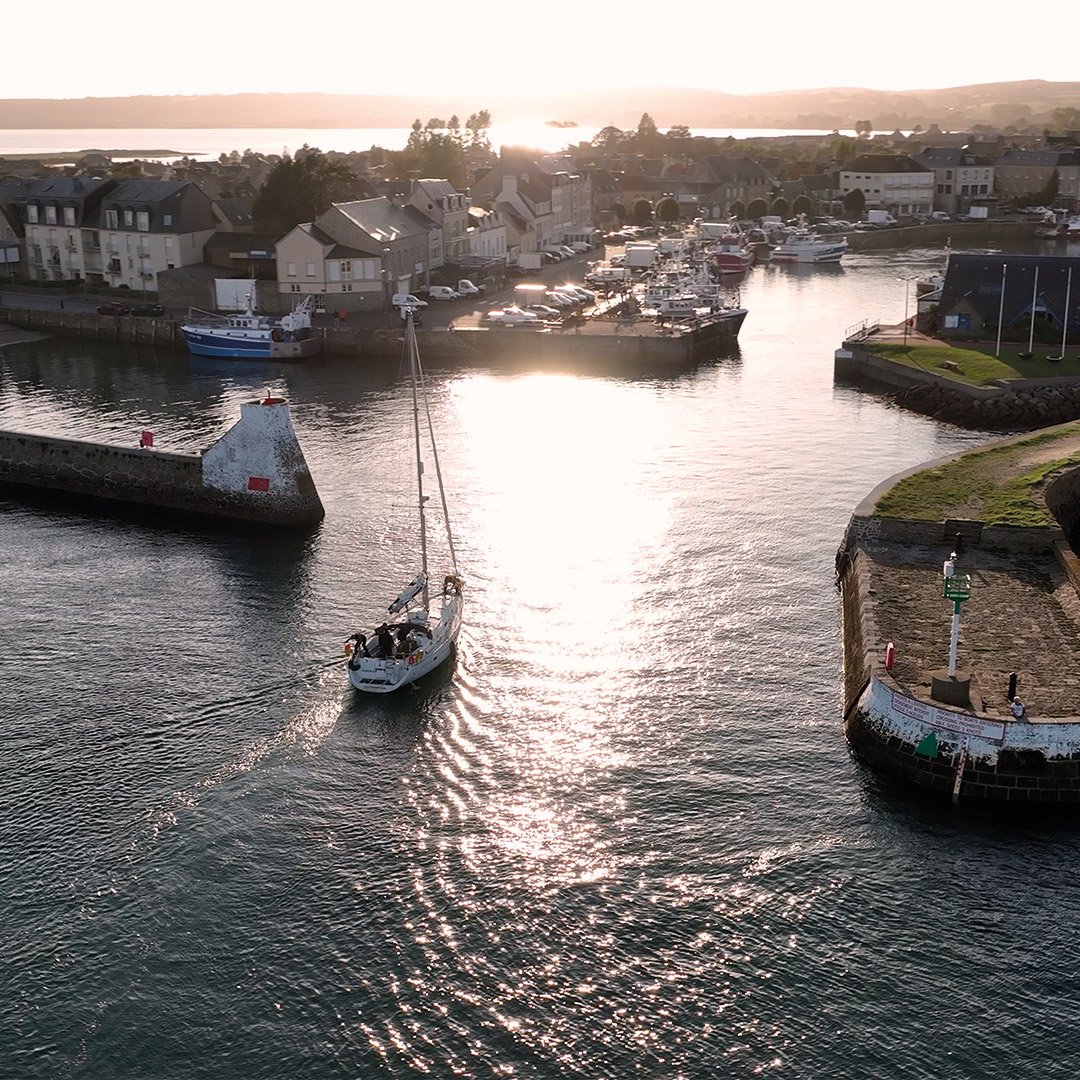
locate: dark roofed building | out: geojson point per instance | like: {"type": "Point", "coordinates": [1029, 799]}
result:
{"type": "Point", "coordinates": [980, 288]}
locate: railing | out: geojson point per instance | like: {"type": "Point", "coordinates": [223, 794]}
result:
{"type": "Point", "coordinates": [861, 330]}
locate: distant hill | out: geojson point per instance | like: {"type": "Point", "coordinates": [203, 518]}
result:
{"type": "Point", "coordinates": [958, 107]}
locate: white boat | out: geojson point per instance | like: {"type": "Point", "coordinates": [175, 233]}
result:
{"type": "Point", "coordinates": [803, 246]}
{"type": "Point", "coordinates": [250, 336]}
{"type": "Point", "coordinates": [414, 640]}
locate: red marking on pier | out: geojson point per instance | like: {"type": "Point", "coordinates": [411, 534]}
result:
{"type": "Point", "coordinates": [146, 439]}
{"type": "Point", "coordinates": [258, 483]}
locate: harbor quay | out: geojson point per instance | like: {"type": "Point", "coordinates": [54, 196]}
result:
{"type": "Point", "coordinates": [621, 340]}
{"type": "Point", "coordinates": [960, 614]}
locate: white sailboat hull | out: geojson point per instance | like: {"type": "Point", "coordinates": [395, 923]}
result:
{"type": "Point", "coordinates": [372, 675]}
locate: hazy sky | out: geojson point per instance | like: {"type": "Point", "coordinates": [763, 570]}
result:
{"type": "Point", "coordinates": [362, 47]}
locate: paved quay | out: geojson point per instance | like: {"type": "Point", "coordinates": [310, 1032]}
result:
{"type": "Point", "coordinates": [1023, 617]}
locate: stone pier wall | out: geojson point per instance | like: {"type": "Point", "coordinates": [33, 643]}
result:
{"type": "Point", "coordinates": [1023, 403]}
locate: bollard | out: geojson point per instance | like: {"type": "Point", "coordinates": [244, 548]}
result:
{"type": "Point", "coordinates": [890, 656]}
{"type": "Point", "coordinates": [1012, 685]}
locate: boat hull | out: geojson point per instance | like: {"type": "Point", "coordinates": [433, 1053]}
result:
{"type": "Point", "coordinates": [808, 256]}
{"type": "Point", "coordinates": [211, 343]}
{"type": "Point", "coordinates": [376, 676]}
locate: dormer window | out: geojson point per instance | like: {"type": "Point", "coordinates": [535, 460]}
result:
{"type": "Point", "coordinates": [112, 219]}
{"type": "Point", "coordinates": [50, 215]}
{"type": "Point", "coordinates": [32, 213]}
{"type": "Point", "coordinates": [143, 221]}
{"type": "Point", "coordinates": [129, 218]}
{"type": "Point", "coordinates": [69, 215]}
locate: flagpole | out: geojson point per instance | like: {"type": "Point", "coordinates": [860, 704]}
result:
{"type": "Point", "coordinates": [1064, 318]}
{"type": "Point", "coordinates": [1065, 321]}
{"type": "Point", "coordinates": [1001, 309]}
{"type": "Point", "coordinates": [1034, 300]}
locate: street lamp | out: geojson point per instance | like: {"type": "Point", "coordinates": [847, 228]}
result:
{"type": "Point", "coordinates": [386, 276]}
{"type": "Point", "coordinates": [907, 279]}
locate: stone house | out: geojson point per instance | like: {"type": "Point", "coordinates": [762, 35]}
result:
{"type": "Point", "coordinates": [150, 226]}
{"type": "Point", "coordinates": [961, 179]}
{"type": "Point", "coordinates": [894, 182]}
{"type": "Point", "coordinates": [446, 210]}
{"type": "Point", "coordinates": [1025, 174]}
{"type": "Point", "coordinates": [354, 256]}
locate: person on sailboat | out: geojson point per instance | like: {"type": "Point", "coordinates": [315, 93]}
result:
{"type": "Point", "coordinates": [386, 642]}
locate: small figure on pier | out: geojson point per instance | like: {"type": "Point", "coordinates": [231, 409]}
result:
{"type": "Point", "coordinates": [1019, 710]}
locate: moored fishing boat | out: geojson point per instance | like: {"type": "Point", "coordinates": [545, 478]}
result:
{"type": "Point", "coordinates": [732, 254]}
{"type": "Point", "coordinates": [803, 246]}
{"type": "Point", "coordinates": [247, 335]}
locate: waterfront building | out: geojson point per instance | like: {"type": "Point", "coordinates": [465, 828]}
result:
{"type": "Point", "coordinates": [961, 179]}
{"type": "Point", "coordinates": [894, 182]}
{"type": "Point", "coordinates": [980, 289]}
{"type": "Point", "coordinates": [354, 256]}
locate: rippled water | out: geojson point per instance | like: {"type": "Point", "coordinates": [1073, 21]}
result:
{"type": "Point", "coordinates": [624, 837]}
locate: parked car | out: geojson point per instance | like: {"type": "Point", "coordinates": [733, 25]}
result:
{"type": "Point", "coordinates": [442, 292]}
{"type": "Point", "coordinates": [403, 300]}
{"type": "Point", "coordinates": [586, 296]}
{"type": "Point", "coordinates": [543, 311]}
{"type": "Point", "coordinates": [509, 315]}
{"type": "Point", "coordinates": [113, 309]}
{"type": "Point", "coordinates": [515, 271]}
{"type": "Point", "coordinates": [566, 251]}
{"type": "Point", "coordinates": [561, 299]}
{"type": "Point", "coordinates": [466, 288]}
{"type": "Point", "coordinates": [153, 310]}
{"type": "Point", "coordinates": [550, 257]}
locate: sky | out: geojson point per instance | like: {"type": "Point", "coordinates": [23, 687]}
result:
{"type": "Point", "coordinates": [423, 47]}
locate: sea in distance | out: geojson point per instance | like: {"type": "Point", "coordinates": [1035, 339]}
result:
{"type": "Point", "coordinates": [212, 142]}
{"type": "Point", "coordinates": [622, 837]}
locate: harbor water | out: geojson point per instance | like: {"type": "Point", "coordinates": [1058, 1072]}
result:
{"type": "Point", "coordinates": [622, 837]}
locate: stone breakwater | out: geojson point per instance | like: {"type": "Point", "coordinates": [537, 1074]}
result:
{"type": "Point", "coordinates": [255, 473]}
{"type": "Point", "coordinates": [1020, 403]}
{"type": "Point", "coordinates": [1023, 619]}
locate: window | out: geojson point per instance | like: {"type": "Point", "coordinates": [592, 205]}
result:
{"type": "Point", "coordinates": [347, 287]}
{"type": "Point", "coordinates": [143, 221]}
{"type": "Point", "coordinates": [294, 287]}
{"type": "Point", "coordinates": [112, 219]}
{"type": "Point", "coordinates": [167, 219]}
{"type": "Point", "coordinates": [346, 267]}
{"type": "Point", "coordinates": [291, 270]}
{"type": "Point", "coordinates": [69, 215]}
{"type": "Point", "coordinates": [168, 243]}
{"type": "Point", "coordinates": [31, 213]}
{"type": "Point", "coordinates": [310, 269]}
{"type": "Point", "coordinates": [129, 218]}
{"type": "Point", "coordinates": [50, 215]}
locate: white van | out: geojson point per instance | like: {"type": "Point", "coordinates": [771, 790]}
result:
{"type": "Point", "coordinates": [405, 299]}
{"type": "Point", "coordinates": [442, 292]}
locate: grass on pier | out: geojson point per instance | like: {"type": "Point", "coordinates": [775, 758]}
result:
{"type": "Point", "coordinates": [977, 364]}
{"type": "Point", "coordinates": [1000, 486]}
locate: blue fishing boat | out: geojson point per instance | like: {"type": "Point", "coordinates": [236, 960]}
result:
{"type": "Point", "coordinates": [250, 336]}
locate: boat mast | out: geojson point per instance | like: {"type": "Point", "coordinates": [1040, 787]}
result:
{"type": "Point", "coordinates": [414, 361]}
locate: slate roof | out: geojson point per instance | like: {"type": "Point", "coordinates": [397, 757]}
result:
{"type": "Point", "coordinates": [947, 157]}
{"type": "Point", "coordinates": [381, 220]}
{"type": "Point", "coordinates": [977, 280]}
{"type": "Point", "coordinates": [885, 163]}
{"type": "Point", "coordinates": [1030, 157]}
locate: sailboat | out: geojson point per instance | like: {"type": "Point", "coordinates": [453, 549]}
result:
{"type": "Point", "coordinates": [412, 640]}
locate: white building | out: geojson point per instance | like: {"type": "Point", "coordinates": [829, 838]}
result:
{"type": "Point", "coordinates": [893, 182]}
